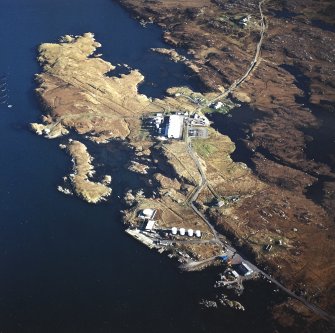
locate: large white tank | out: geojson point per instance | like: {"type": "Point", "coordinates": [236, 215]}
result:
{"type": "Point", "coordinates": [198, 233]}
{"type": "Point", "coordinates": [148, 212]}
{"type": "Point", "coordinates": [174, 231]}
{"type": "Point", "coordinates": [190, 232]}
{"type": "Point", "coordinates": [182, 231]}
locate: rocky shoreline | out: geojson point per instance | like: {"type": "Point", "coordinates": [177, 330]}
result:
{"type": "Point", "coordinates": [83, 171]}
{"type": "Point", "coordinates": [80, 96]}
{"type": "Point", "coordinates": [219, 37]}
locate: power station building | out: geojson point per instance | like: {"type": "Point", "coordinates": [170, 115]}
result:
{"type": "Point", "coordinates": [174, 127]}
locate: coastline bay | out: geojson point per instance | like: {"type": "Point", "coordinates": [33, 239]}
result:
{"type": "Point", "coordinates": [68, 266]}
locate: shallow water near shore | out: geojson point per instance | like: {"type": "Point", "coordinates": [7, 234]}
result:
{"type": "Point", "coordinates": [67, 266]}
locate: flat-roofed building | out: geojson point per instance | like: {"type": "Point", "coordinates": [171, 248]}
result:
{"type": "Point", "coordinates": [150, 225]}
{"type": "Point", "coordinates": [243, 269]}
{"type": "Point", "coordinates": [174, 127]}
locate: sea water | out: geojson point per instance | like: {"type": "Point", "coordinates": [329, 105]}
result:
{"type": "Point", "coordinates": [67, 266]}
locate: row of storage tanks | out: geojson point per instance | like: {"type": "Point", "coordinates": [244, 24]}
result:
{"type": "Point", "coordinates": [182, 232]}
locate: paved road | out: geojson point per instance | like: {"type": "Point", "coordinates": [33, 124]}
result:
{"type": "Point", "coordinates": [252, 65]}
{"type": "Point", "coordinates": [231, 251]}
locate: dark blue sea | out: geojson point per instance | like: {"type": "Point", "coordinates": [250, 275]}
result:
{"type": "Point", "coordinates": [67, 266]}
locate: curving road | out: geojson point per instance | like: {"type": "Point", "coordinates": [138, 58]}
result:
{"type": "Point", "coordinates": [231, 251]}
{"type": "Point", "coordinates": [252, 65]}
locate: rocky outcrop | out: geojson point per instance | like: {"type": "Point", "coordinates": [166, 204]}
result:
{"type": "Point", "coordinates": [78, 95]}
{"type": "Point", "coordinates": [83, 171]}
{"type": "Point", "coordinates": [138, 167]}
{"type": "Point", "coordinates": [291, 87]}
{"type": "Point", "coordinates": [172, 53]}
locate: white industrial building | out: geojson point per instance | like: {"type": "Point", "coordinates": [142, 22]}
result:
{"type": "Point", "coordinates": [150, 225]}
{"type": "Point", "coordinates": [199, 120]}
{"type": "Point", "coordinates": [147, 214]}
{"type": "Point", "coordinates": [218, 105]}
{"type": "Point", "coordinates": [247, 268]}
{"type": "Point", "coordinates": [174, 127]}
{"type": "Point", "coordinates": [171, 126]}
{"type": "Point", "coordinates": [235, 274]}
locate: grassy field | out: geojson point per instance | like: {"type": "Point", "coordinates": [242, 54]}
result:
{"type": "Point", "coordinates": [204, 148]}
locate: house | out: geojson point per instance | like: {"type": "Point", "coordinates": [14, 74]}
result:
{"type": "Point", "coordinates": [218, 105]}
{"type": "Point", "coordinates": [235, 274]}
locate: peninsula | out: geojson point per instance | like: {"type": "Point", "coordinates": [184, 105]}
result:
{"type": "Point", "coordinates": [290, 140]}
{"type": "Point", "coordinates": [199, 202]}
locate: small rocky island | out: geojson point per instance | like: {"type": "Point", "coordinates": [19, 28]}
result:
{"type": "Point", "coordinates": [90, 191]}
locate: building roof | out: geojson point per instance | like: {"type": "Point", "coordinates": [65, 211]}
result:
{"type": "Point", "coordinates": [147, 213]}
{"type": "Point", "coordinates": [150, 225]}
{"type": "Point", "coordinates": [243, 269]}
{"type": "Point", "coordinates": [174, 128]}
{"type": "Point", "coordinates": [235, 274]}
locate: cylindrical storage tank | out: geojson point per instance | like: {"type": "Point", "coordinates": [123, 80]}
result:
{"type": "Point", "coordinates": [174, 231]}
{"type": "Point", "coordinates": [198, 233]}
{"type": "Point", "coordinates": [190, 232]}
{"type": "Point", "coordinates": [148, 212]}
{"type": "Point", "coordinates": [182, 231]}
